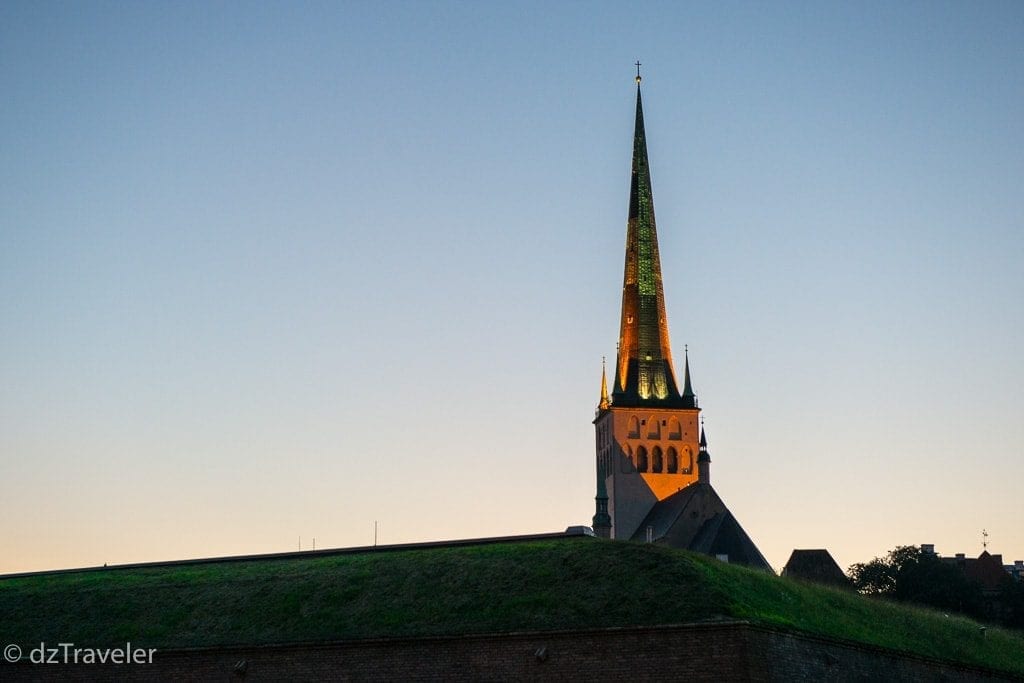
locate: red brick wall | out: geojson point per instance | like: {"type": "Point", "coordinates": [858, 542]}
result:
{"type": "Point", "coordinates": [701, 652]}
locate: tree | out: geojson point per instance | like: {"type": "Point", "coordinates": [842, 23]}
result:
{"type": "Point", "coordinates": [1012, 598]}
{"type": "Point", "coordinates": [878, 577]}
{"type": "Point", "coordinates": [908, 574]}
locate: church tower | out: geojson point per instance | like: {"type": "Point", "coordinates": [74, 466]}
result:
{"type": "Point", "coordinates": [647, 433]}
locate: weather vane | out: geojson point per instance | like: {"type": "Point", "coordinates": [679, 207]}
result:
{"type": "Point", "coordinates": [638, 72]}
{"type": "Point", "coordinates": [984, 540]}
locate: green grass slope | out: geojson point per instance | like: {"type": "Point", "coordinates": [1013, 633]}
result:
{"type": "Point", "coordinates": [539, 585]}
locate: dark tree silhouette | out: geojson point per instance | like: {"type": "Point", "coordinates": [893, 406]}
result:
{"type": "Point", "coordinates": [910, 575]}
{"type": "Point", "coordinates": [1012, 597]}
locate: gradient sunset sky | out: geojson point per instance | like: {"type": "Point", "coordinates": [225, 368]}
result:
{"type": "Point", "coordinates": [271, 270]}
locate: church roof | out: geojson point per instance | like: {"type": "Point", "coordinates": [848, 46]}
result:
{"type": "Point", "coordinates": [644, 372]}
{"type": "Point", "coordinates": [695, 518]}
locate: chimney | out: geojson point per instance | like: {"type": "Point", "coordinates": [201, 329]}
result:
{"type": "Point", "coordinates": [960, 556]}
{"type": "Point", "coordinates": [928, 548]}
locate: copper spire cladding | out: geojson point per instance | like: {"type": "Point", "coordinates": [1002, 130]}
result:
{"type": "Point", "coordinates": [644, 373]}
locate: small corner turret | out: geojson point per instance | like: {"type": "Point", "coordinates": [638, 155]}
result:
{"type": "Point", "coordinates": [602, 522]}
{"type": "Point", "coordinates": [703, 459]}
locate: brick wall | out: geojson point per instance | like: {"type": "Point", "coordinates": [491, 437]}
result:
{"type": "Point", "coordinates": [702, 652]}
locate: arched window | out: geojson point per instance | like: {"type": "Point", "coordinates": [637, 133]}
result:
{"type": "Point", "coordinates": [641, 459]}
{"type": "Point", "coordinates": [657, 461]}
{"type": "Point", "coordinates": [634, 428]}
{"type": "Point", "coordinates": [673, 460]}
{"type": "Point", "coordinates": [675, 432]}
{"type": "Point", "coordinates": [688, 461]}
{"type": "Point", "coordinates": [653, 428]}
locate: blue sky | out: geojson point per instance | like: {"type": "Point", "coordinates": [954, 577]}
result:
{"type": "Point", "coordinates": [285, 269]}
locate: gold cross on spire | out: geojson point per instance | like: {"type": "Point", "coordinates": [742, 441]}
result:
{"type": "Point", "coordinates": [638, 72]}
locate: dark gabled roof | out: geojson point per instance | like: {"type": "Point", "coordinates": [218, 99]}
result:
{"type": "Point", "coordinates": [815, 565]}
{"type": "Point", "coordinates": [987, 570]}
{"type": "Point", "coordinates": [664, 514]}
{"type": "Point", "coordinates": [695, 518]}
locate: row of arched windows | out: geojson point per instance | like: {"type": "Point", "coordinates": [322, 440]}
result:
{"type": "Point", "coordinates": [658, 461]}
{"type": "Point", "coordinates": [652, 428]}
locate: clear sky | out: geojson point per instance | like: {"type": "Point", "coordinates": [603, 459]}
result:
{"type": "Point", "coordinates": [271, 270]}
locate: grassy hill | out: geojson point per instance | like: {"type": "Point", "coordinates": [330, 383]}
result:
{"type": "Point", "coordinates": [537, 585]}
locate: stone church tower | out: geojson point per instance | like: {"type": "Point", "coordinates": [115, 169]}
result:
{"type": "Point", "coordinates": [652, 459]}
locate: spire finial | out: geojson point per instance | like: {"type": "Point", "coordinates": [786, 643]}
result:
{"type": "Point", "coordinates": [638, 79]}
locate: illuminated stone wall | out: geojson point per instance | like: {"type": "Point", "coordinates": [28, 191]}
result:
{"type": "Point", "coordinates": [646, 455]}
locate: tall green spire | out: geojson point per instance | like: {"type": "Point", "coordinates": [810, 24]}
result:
{"type": "Point", "coordinates": [644, 371]}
